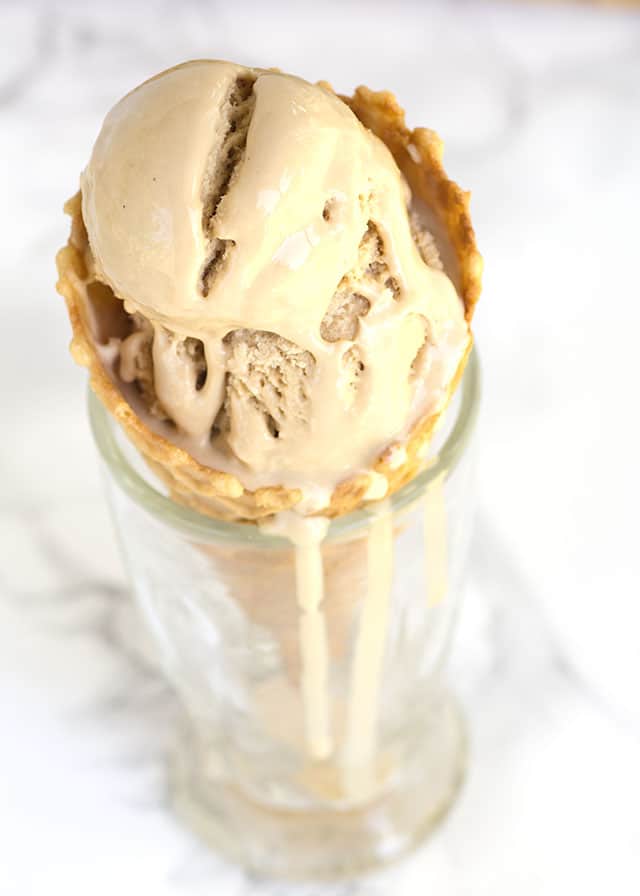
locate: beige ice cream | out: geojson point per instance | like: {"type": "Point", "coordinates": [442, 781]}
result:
{"type": "Point", "coordinates": [288, 315]}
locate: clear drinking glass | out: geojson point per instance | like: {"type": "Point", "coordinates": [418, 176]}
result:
{"type": "Point", "coordinates": [315, 742]}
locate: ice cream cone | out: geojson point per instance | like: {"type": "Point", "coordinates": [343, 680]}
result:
{"type": "Point", "coordinates": [93, 307]}
{"type": "Point", "coordinates": [266, 584]}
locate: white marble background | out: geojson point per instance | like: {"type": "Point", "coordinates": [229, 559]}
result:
{"type": "Point", "coordinates": [540, 110]}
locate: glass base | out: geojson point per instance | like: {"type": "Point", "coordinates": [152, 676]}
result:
{"type": "Point", "coordinates": [324, 843]}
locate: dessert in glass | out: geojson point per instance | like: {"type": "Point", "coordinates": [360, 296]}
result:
{"type": "Point", "coordinates": [272, 288]}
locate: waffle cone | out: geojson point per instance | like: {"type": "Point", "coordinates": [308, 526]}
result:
{"type": "Point", "coordinates": [263, 584]}
{"type": "Point", "coordinates": [221, 494]}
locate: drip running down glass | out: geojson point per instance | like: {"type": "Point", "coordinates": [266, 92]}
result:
{"type": "Point", "coordinates": [319, 738]}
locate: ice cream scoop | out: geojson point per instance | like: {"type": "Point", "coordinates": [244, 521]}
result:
{"type": "Point", "coordinates": [283, 315]}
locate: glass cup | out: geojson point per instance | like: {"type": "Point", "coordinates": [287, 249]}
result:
{"type": "Point", "coordinates": [319, 738]}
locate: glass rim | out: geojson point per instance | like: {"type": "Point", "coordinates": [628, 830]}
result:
{"type": "Point", "coordinates": [206, 528]}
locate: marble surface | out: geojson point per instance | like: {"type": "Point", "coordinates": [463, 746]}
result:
{"type": "Point", "coordinates": [539, 109]}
